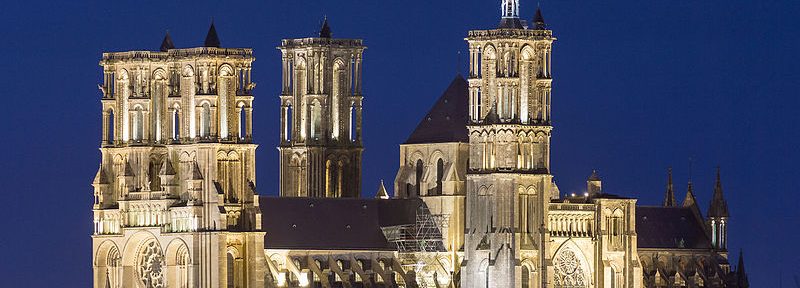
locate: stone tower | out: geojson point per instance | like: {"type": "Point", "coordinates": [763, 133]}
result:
{"type": "Point", "coordinates": [717, 220]}
{"type": "Point", "coordinates": [509, 184]}
{"type": "Point", "coordinates": [175, 202]}
{"type": "Point", "coordinates": [320, 146]}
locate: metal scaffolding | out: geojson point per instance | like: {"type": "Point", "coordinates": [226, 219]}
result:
{"type": "Point", "coordinates": [424, 235]}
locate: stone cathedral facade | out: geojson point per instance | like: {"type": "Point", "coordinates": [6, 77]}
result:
{"type": "Point", "coordinates": [474, 203]}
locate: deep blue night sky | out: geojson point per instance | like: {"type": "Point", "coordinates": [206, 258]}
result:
{"type": "Point", "coordinates": [638, 86]}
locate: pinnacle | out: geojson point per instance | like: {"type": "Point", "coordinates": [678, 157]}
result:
{"type": "Point", "coordinates": [212, 39]}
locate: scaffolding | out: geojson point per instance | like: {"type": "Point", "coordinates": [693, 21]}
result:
{"type": "Point", "coordinates": [425, 235]}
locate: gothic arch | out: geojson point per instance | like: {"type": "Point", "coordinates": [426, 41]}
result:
{"type": "Point", "coordinates": [226, 70]}
{"type": "Point", "coordinates": [188, 71]}
{"type": "Point", "coordinates": [159, 74]}
{"type": "Point", "coordinates": [571, 267]}
{"type": "Point", "coordinates": [489, 52]}
{"type": "Point", "coordinates": [527, 52]}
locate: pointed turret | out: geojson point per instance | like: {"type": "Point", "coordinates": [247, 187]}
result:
{"type": "Point", "coordinates": [100, 177]}
{"type": "Point", "coordinates": [212, 40]}
{"type": "Point", "coordinates": [538, 20]}
{"type": "Point", "coordinates": [669, 197]}
{"type": "Point", "coordinates": [325, 30]}
{"type": "Point", "coordinates": [194, 185]}
{"type": "Point", "coordinates": [196, 175]}
{"type": "Point", "coordinates": [167, 44]}
{"type": "Point", "coordinates": [689, 200]}
{"type": "Point", "coordinates": [167, 176]}
{"type": "Point", "coordinates": [381, 194]}
{"type": "Point", "coordinates": [128, 169]}
{"type": "Point", "coordinates": [718, 207]}
{"type": "Point", "coordinates": [741, 274]}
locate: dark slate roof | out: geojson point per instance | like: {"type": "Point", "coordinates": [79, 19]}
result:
{"type": "Point", "coordinates": [670, 227]}
{"type": "Point", "coordinates": [447, 120]}
{"type": "Point", "coordinates": [510, 23]}
{"type": "Point", "coordinates": [333, 223]}
{"type": "Point", "coordinates": [212, 40]}
{"type": "Point", "coordinates": [166, 44]}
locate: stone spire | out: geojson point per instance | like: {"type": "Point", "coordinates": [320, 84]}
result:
{"type": "Point", "coordinates": [212, 40]}
{"type": "Point", "coordinates": [510, 15]}
{"type": "Point", "coordinates": [167, 44]}
{"type": "Point", "coordinates": [669, 197]}
{"type": "Point", "coordinates": [381, 194]}
{"type": "Point", "coordinates": [689, 200]}
{"type": "Point", "coordinates": [538, 20]}
{"type": "Point", "coordinates": [718, 207]}
{"type": "Point", "coordinates": [325, 30]}
{"type": "Point", "coordinates": [594, 185]}
{"type": "Point", "coordinates": [741, 274]}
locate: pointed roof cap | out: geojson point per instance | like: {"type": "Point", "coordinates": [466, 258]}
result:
{"type": "Point", "coordinates": [381, 194]}
{"type": "Point", "coordinates": [101, 177]}
{"type": "Point", "coordinates": [167, 169]}
{"type": "Point", "coordinates": [212, 40]}
{"type": "Point", "coordinates": [167, 44]}
{"type": "Point", "coordinates": [196, 175]}
{"type": "Point", "coordinates": [594, 176]}
{"type": "Point", "coordinates": [689, 200]}
{"type": "Point", "coordinates": [538, 20]}
{"type": "Point", "coordinates": [669, 197]}
{"type": "Point", "coordinates": [719, 207]}
{"type": "Point", "coordinates": [447, 119]}
{"type": "Point", "coordinates": [325, 30]}
{"type": "Point", "coordinates": [492, 116]}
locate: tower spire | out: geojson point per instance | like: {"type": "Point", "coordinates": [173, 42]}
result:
{"type": "Point", "coordinates": [325, 30]}
{"type": "Point", "coordinates": [741, 274]}
{"type": "Point", "coordinates": [719, 207]}
{"type": "Point", "coordinates": [538, 20]}
{"type": "Point", "coordinates": [212, 40]}
{"type": "Point", "coordinates": [669, 197]}
{"type": "Point", "coordinates": [509, 11]}
{"type": "Point", "coordinates": [167, 44]}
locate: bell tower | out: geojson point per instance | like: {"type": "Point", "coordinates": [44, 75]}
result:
{"type": "Point", "coordinates": [175, 201]}
{"type": "Point", "coordinates": [509, 184]}
{"type": "Point", "coordinates": [320, 146]}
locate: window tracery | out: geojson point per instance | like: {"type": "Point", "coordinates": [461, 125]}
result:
{"type": "Point", "coordinates": [151, 265]}
{"type": "Point", "coordinates": [569, 271]}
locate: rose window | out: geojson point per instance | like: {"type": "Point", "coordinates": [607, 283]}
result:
{"type": "Point", "coordinates": [569, 273]}
{"type": "Point", "coordinates": [151, 265]}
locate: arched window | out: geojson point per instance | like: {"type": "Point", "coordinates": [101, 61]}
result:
{"type": "Point", "coordinates": [111, 128]}
{"type": "Point", "coordinates": [289, 128]}
{"type": "Point", "coordinates": [205, 121]}
{"type": "Point", "coordinates": [330, 175]}
{"type": "Point", "coordinates": [231, 270]}
{"type": "Point", "coordinates": [439, 176]}
{"type": "Point", "coordinates": [138, 124]}
{"type": "Point", "coordinates": [418, 186]}
{"type": "Point", "coordinates": [176, 125]}
{"type": "Point", "coordinates": [316, 120]}
{"type": "Point", "coordinates": [525, 277]}
{"type": "Point", "coordinates": [352, 123]}
{"type": "Point", "coordinates": [242, 122]}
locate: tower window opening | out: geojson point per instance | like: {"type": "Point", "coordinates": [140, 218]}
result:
{"type": "Point", "coordinates": [205, 121]}
{"type": "Point", "coordinates": [316, 120]}
{"type": "Point", "coordinates": [111, 128]}
{"type": "Point", "coordinates": [137, 124]}
{"type": "Point", "coordinates": [242, 123]}
{"type": "Point", "coordinates": [231, 271]}
{"type": "Point", "coordinates": [176, 125]}
{"type": "Point", "coordinates": [352, 123]}
{"type": "Point", "coordinates": [418, 186]}
{"type": "Point", "coordinates": [289, 126]}
{"type": "Point", "coordinates": [439, 176]}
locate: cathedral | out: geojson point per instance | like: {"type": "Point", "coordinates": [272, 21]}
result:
{"type": "Point", "coordinates": [474, 202]}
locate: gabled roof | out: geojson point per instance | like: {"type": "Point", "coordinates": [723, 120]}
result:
{"type": "Point", "coordinates": [718, 207]}
{"type": "Point", "coordinates": [166, 44]}
{"type": "Point", "coordinates": [447, 120]}
{"type": "Point", "coordinates": [167, 169]}
{"type": "Point", "coordinates": [333, 223]}
{"type": "Point", "coordinates": [670, 227]}
{"type": "Point", "coordinates": [212, 40]}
